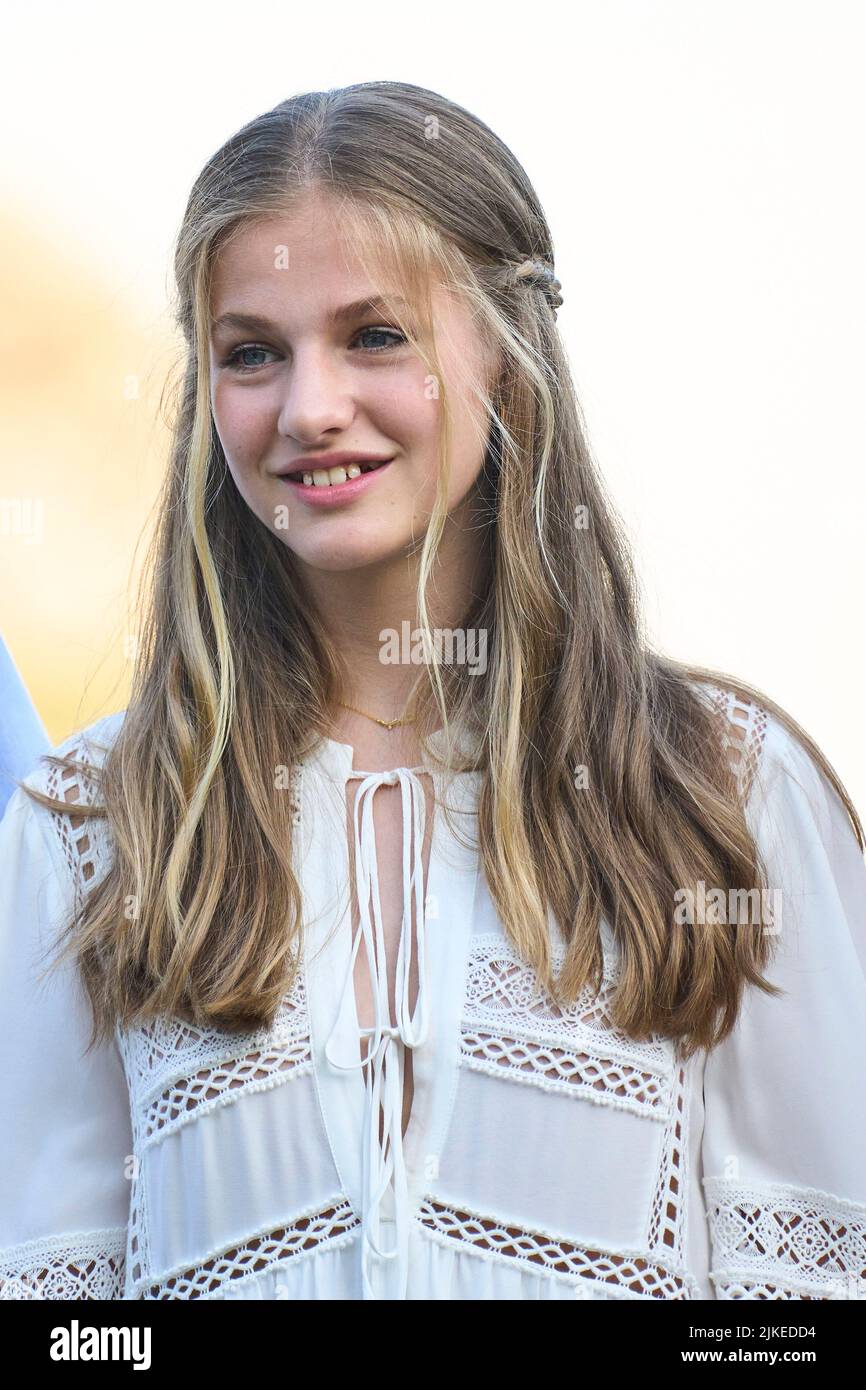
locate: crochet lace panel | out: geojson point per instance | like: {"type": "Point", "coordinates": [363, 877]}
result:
{"type": "Point", "coordinates": [742, 727]}
{"type": "Point", "coordinates": [667, 1225]}
{"type": "Point", "coordinates": [177, 1071]}
{"type": "Point", "coordinates": [221, 1271]}
{"type": "Point", "coordinates": [83, 841]}
{"type": "Point", "coordinates": [595, 1272]}
{"type": "Point", "coordinates": [774, 1241]}
{"type": "Point", "coordinates": [87, 1264]}
{"type": "Point", "coordinates": [513, 1028]}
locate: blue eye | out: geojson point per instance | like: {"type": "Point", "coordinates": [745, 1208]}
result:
{"type": "Point", "coordinates": [233, 362]}
{"type": "Point", "coordinates": [388, 333]}
{"type": "Point", "coordinates": [232, 359]}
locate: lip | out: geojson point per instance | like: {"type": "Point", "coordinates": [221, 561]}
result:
{"type": "Point", "coordinates": [336, 493]}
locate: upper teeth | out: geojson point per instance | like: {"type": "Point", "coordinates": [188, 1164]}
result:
{"type": "Point", "coordinates": [324, 477]}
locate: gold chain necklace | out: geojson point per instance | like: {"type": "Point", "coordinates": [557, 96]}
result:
{"type": "Point", "coordinates": [385, 723]}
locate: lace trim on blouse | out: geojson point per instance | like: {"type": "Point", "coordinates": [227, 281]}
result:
{"type": "Point", "coordinates": [742, 728]}
{"type": "Point", "coordinates": [83, 1264]}
{"type": "Point", "coordinates": [625, 1274]}
{"type": "Point", "coordinates": [580, 1054]}
{"type": "Point", "coordinates": [177, 1072]}
{"type": "Point", "coordinates": [261, 1254]}
{"type": "Point", "coordinates": [779, 1242]}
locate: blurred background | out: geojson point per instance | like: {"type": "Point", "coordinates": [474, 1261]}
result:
{"type": "Point", "coordinates": [701, 168]}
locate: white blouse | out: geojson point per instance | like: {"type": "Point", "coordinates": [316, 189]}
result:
{"type": "Point", "coordinates": [547, 1155]}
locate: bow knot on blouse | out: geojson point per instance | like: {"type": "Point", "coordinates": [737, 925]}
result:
{"type": "Point", "coordinates": [384, 1171]}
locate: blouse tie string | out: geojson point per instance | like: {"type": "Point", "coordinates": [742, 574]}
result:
{"type": "Point", "coordinates": [383, 1161]}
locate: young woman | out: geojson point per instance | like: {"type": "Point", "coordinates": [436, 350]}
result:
{"type": "Point", "coordinates": [427, 935]}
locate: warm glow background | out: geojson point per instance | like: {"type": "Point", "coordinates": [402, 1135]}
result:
{"type": "Point", "coordinates": [701, 166]}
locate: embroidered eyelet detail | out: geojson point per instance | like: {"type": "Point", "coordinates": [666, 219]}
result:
{"type": "Point", "coordinates": [217, 1272]}
{"type": "Point", "coordinates": [514, 1029]}
{"type": "Point", "coordinates": [774, 1241]}
{"type": "Point", "coordinates": [87, 1264]}
{"type": "Point", "coordinates": [624, 1274]}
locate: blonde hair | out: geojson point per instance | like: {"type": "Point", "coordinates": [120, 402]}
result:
{"type": "Point", "coordinates": [234, 674]}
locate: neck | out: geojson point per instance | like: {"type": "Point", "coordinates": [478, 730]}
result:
{"type": "Point", "coordinates": [370, 614]}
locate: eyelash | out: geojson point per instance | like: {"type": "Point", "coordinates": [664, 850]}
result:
{"type": "Point", "coordinates": [232, 360]}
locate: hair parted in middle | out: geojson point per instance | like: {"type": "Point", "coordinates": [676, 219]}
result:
{"type": "Point", "coordinates": [234, 673]}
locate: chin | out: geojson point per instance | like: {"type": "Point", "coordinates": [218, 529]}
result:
{"type": "Point", "coordinates": [343, 558]}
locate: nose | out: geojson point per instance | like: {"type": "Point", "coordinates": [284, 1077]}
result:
{"type": "Point", "coordinates": [317, 399]}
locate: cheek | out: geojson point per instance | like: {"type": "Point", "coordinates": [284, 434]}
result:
{"type": "Point", "coordinates": [404, 406]}
{"type": "Point", "coordinates": [471, 435]}
{"type": "Point", "coordinates": [245, 424]}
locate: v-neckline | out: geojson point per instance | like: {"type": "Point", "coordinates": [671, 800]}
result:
{"type": "Point", "coordinates": [452, 881]}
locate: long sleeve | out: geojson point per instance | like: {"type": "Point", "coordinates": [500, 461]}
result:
{"type": "Point", "coordinates": [784, 1142]}
{"type": "Point", "coordinates": [65, 1133]}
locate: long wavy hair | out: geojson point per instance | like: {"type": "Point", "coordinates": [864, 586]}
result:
{"type": "Point", "coordinates": [234, 673]}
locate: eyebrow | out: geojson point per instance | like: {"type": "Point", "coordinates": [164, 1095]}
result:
{"type": "Point", "coordinates": [257, 323]}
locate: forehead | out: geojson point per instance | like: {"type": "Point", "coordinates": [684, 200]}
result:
{"type": "Point", "coordinates": [277, 251]}
{"type": "Point", "coordinates": [310, 267]}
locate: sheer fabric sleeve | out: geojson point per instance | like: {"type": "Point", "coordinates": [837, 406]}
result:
{"type": "Point", "coordinates": [65, 1133]}
{"type": "Point", "coordinates": [784, 1141]}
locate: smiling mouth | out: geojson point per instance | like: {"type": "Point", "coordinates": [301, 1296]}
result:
{"type": "Point", "coordinates": [334, 477]}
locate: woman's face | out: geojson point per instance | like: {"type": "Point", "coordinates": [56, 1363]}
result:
{"type": "Point", "coordinates": [312, 378]}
